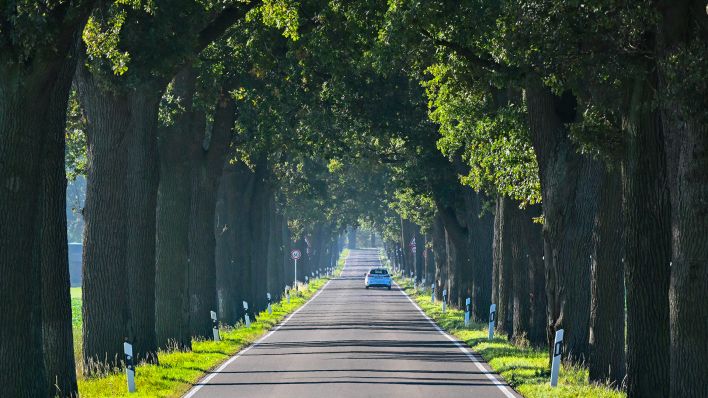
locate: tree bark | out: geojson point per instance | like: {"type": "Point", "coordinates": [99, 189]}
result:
{"type": "Point", "coordinates": [51, 248]}
{"type": "Point", "coordinates": [505, 265]}
{"type": "Point", "coordinates": [569, 184]}
{"type": "Point", "coordinates": [172, 263]}
{"type": "Point", "coordinates": [106, 311]}
{"type": "Point", "coordinates": [207, 165]}
{"type": "Point", "coordinates": [607, 320]}
{"type": "Point", "coordinates": [646, 206]}
{"type": "Point", "coordinates": [683, 30]}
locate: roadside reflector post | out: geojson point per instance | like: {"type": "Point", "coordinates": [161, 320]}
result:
{"type": "Point", "coordinates": [129, 366]}
{"type": "Point", "coordinates": [215, 326]}
{"type": "Point", "coordinates": [444, 300]}
{"type": "Point", "coordinates": [432, 295]}
{"type": "Point", "coordinates": [246, 318]}
{"type": "Point", "coordinates": [557, 352]}
{"type": "Point", "coordinates": [270, 309]}
{"type": "Point", "coordinates": [287, 293]}
{"type": "Point", "coordinates": [467, 312]}
{"type": "Point", "coordinates": [307, 281]}
{"type": "Point", "coordinates": [492, 316]}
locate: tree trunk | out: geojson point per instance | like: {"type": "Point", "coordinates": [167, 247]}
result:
{"type": "Point", "coordinates": [29, 113]}
{"type": "Point", "coordinates": [439, 253]}
{"type": "Point", "coordinates": [607, 331]}
{"type": "Point", "coordinates": [351, 238]}
{"type": "Point", "coordinates": [682, 32]}
{"type": "Point", "coordinates": [648, 246]}
{"type": "Point", "coordinates": [207, 166]}
{"type": "Point", "coordinates": [569, 191]}
{"type": "Point", "coordinates": [173, 268]}
{"type": "Point", "coordinates": [51, 248]}
{"type": "Point", "coordinates": [537, 278]}
{"type": "Point", "coordinates": [106, 311]}
{"type": "Point", "coordinates": [504, 264]}
{"type": "Point", "coordinates": [480, 238]}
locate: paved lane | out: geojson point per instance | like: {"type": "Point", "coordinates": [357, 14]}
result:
{"type": "Point", "coordinates": [352, 342]}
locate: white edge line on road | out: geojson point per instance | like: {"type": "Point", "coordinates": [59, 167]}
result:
{"type": "Point", "coordinates": [490, 375]}
{"type": "Point", "coordinates": [206, 380]}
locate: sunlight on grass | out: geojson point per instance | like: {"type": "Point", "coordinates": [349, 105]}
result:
{"type": "Point", "coordinates": [526, 369]}
{"type": "Point", "coordinates": [179, 371]}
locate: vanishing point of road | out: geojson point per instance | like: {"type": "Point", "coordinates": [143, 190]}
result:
{"type": "Point", "coordinates": [348, 341]}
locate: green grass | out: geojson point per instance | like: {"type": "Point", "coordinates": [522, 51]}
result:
{"type": "Point", "coordinates": [525, 368]}
{"type": "Point", "coordinates": [178, 371]}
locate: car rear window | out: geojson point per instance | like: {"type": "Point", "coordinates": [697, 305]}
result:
{"type": "Point", "coordinates": [378, 272]}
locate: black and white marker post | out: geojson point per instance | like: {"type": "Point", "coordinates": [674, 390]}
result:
{"type": "Point", "coordinates": [467, 312]}
{"type": "Point", "coordinates": [307, 281]}
{"type": "Point", "coordinates": [444, 300]}
{"type": "Point", "coordinates": [432, 295]}
{"type": "Point", "coordinates": [129, 366]}
{"type": "Point", "coordinates": [246, 318]}
{"type": "Point", "coordinates": [557, 352]}
{"type": "Point", "coordinates": [215, 326]}
{"type": "Point", "coordinates": [492, 316]}
{"type": "Point", "coordinates": [270, 309]}
{"type": "Point", "coordinates": [287, 293]}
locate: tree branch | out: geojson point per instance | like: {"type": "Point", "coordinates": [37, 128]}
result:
{"type": "Point", "coordinates": [219, 25]}
{"type": "Point", "coordinates": [470, 56]}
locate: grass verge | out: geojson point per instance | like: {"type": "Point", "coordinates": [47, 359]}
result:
{"type": "Point", "coordinates": [526, 369]}
{"type": "Point", "coordinates": [178, 371]}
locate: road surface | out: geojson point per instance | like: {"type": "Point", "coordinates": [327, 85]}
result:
{"type": "Point", "coordinates": [351, 342]}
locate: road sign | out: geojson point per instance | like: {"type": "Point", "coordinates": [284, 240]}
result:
{"type": "Point", "coordinates": [295, 254]}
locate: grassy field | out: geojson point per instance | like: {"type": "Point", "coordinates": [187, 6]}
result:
{"type": "Point", "coordinates": [178, 371]}
{"type": "Point", "coordinates": [525, 368]}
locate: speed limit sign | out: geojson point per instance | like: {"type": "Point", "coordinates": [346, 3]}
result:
{"type": "Point", "coordinates": [295, 254]}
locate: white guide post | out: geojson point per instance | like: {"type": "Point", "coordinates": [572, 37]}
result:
{"type": "Point", "coordinates": [215, 326]}
{"type": "Point", "coordinates": [492, 316]}
{"type": "Point", "coordinates": [287, 293]}
{"type": "Point", "coordinates": [432, 295]}
{"type": "Point", "coordinates": [467, 312]}
{"type": "Point", "coordinates": [246, 318]}
{"type": "Point", "coordinates": [129, 366]}
{"type": "Point", "coordinates": [444, 300]}
{"type": "Point", "coordinates": [270, 309]}
{"type": "Point", "coordinates": [557, 351]}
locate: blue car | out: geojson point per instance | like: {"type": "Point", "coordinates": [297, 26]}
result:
{"type": "Point", "coordinates": [378, 277]}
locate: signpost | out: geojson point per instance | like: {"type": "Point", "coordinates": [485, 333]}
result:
{"type": "Point", "coordinates": [215, 325]}
{"type": "Point", "coordinates": [246, 317]}
{"type": "Point", "coordinates": [492, 316]}
{"type": "Point", "coordinates": [467, 312]}
{"type": "Point", "coordinates": [295, 254]}
{"type": "Point", "coordinates": [129, 366]}
{"type": "Point", "coordinates": [557, 351]}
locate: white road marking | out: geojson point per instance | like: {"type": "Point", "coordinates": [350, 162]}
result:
{"type": "Point", "coordinates": [502, 386]}
{"type": "Point", "coordinates": [223, 366]}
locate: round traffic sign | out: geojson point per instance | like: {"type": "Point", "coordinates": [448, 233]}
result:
{"type": "Point", "coordinates": [295, 254]}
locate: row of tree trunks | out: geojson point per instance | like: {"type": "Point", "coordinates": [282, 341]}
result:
{"type": "Point", "coordinates": [207, 161]}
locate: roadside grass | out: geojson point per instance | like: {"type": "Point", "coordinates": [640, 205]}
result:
{"type": "Point", "coordinates": [178, 371]}
{"type": "Point", "coordinates": [525, 368]}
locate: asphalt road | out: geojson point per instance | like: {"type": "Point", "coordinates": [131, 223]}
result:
{"type": "Point", "coordinates": [352, 342]}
